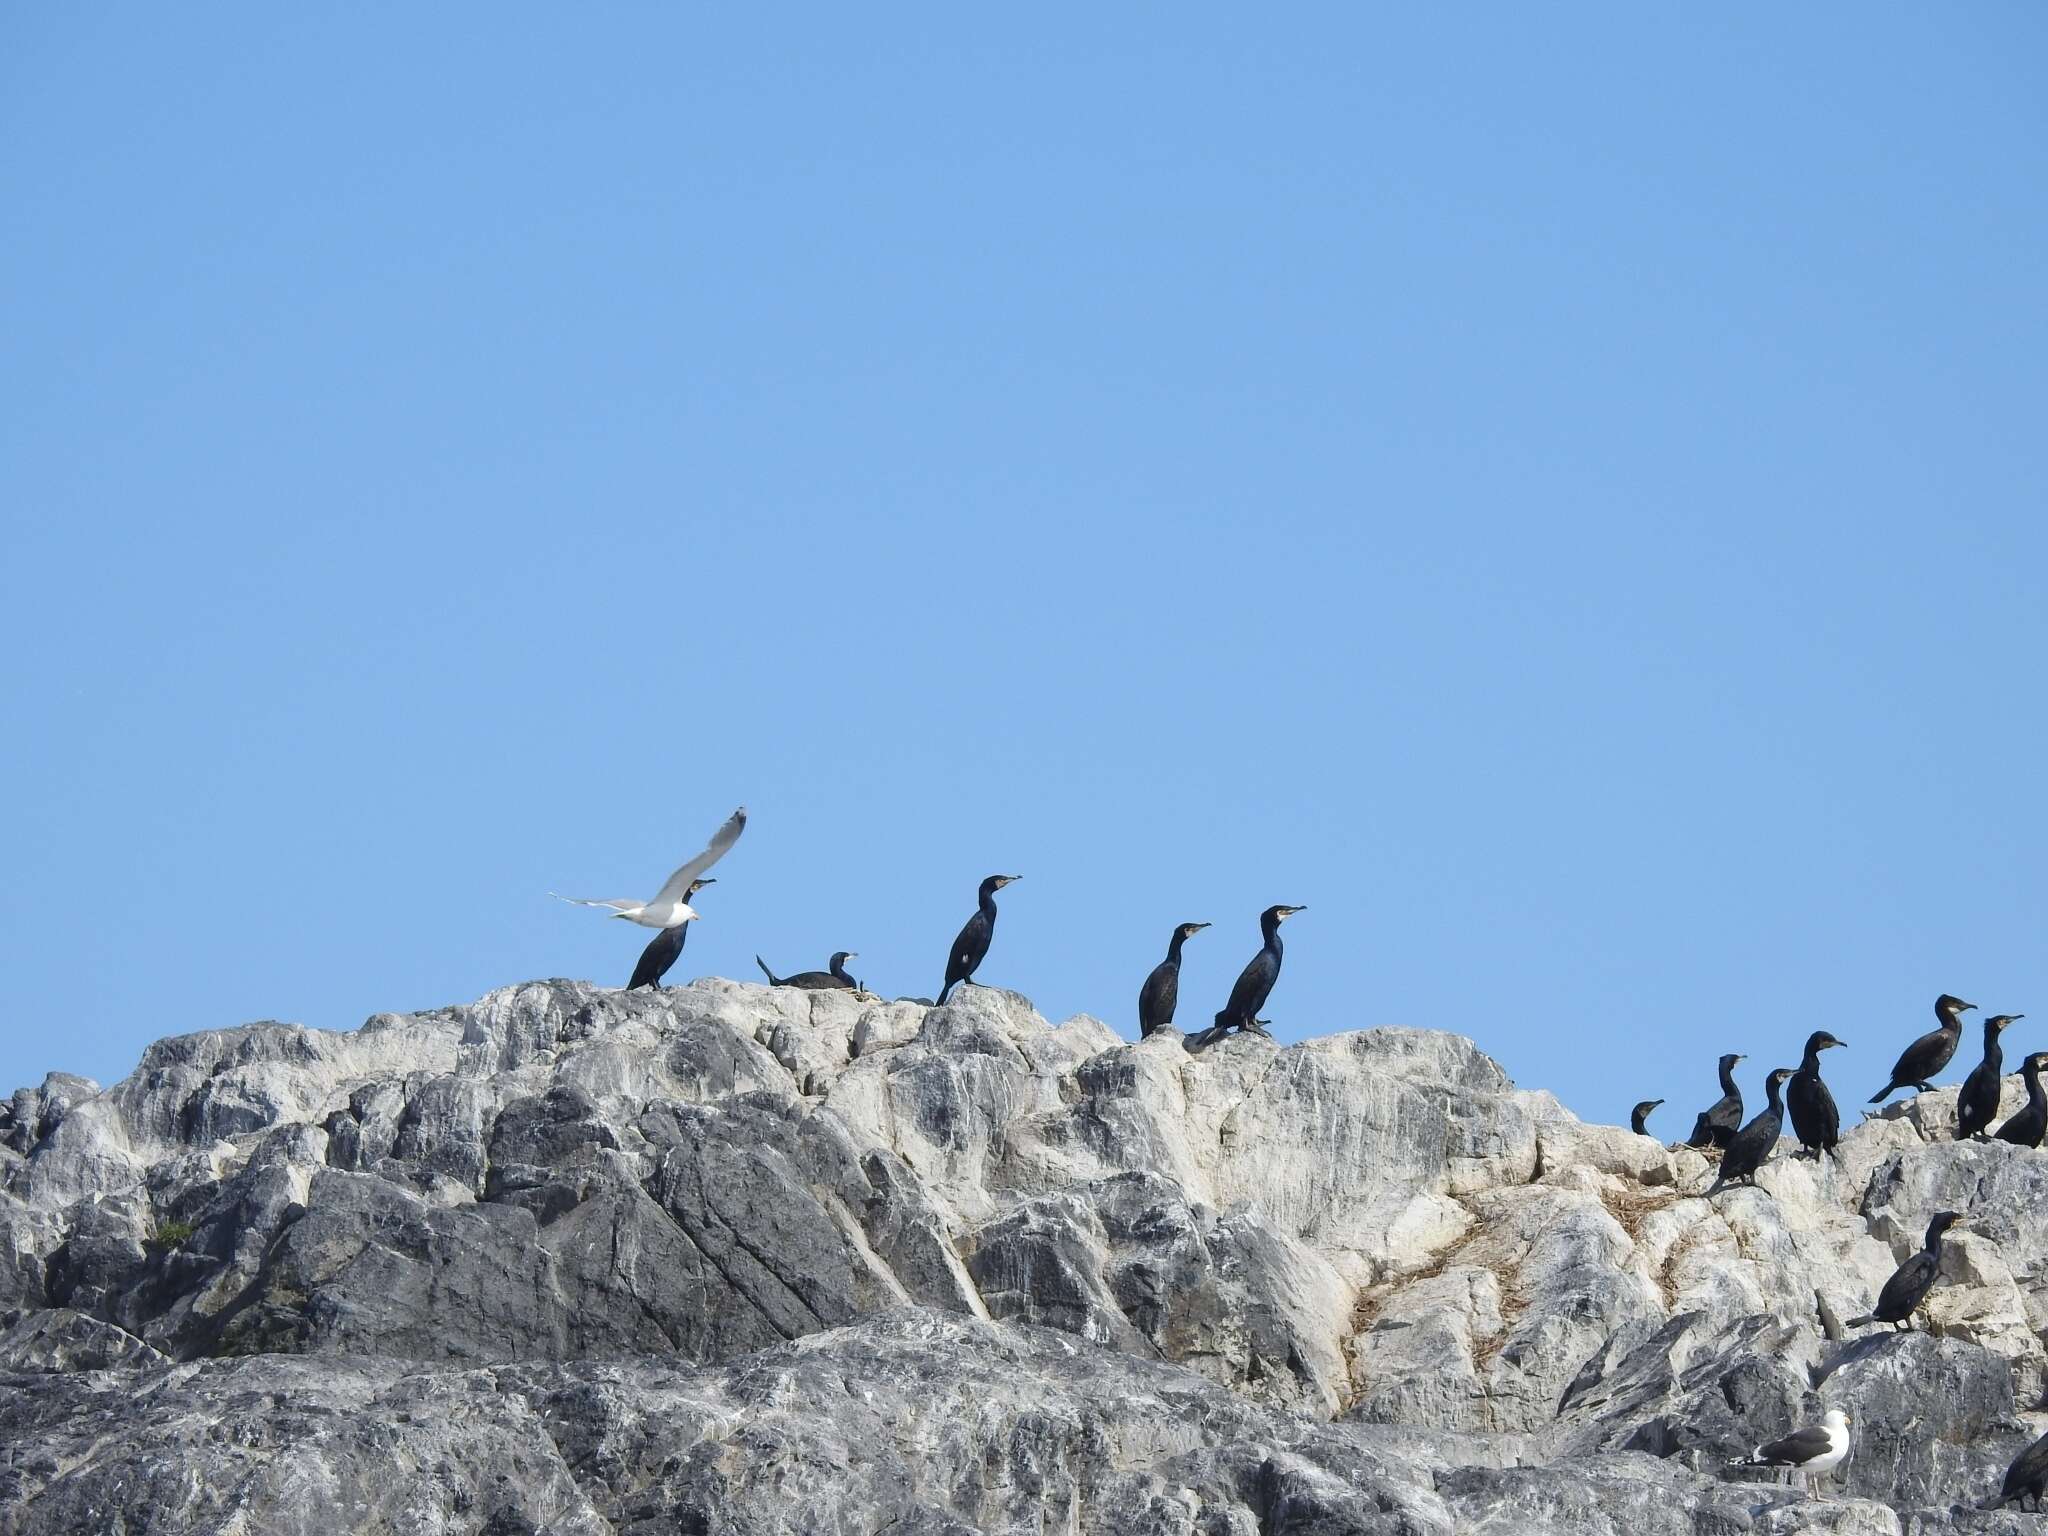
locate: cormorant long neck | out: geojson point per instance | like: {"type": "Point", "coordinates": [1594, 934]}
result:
{"type": "Point", "coordinates": [988, 899]}
{"type": "Point", "coordinates": [1173, 947]}
{"type": "Point", "coordinates": [1809, 1064]}
{"type": "Point", "coordinates": [1774, 1091]}
{"type": "Point", "coordinates": [1270, 926]}
{"type": "Point", "coordinates": [1993, 1051]}
{"type": "Point", "coordinates": [839, 969]}
{"type": "Point", "coordinates": [2037, 1097]}
{"type": "Point", "coordinates": [1728, 1077]}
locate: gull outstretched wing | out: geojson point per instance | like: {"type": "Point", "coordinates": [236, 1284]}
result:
{"type": "Point", "coordinates": [678, 884]}
{"type": "Point", "coordinates": [601, 901]}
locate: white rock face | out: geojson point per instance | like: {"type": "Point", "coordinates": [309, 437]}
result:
{"type": "Point", "coordinates": [1375, 1232]}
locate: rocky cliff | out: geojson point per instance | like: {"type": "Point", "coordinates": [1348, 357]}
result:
{"type": "Point", "coordinates": [738, 1259]}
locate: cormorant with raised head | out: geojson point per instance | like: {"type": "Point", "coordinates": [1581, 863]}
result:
{"type": "Point", "coordinates": [663, 948]}
{"type": "Point", "coordinates": [1161, 992]}
{"type": "Point", "coordinates": [2025, 1127]}
{"type": "Point", "coordinates": [2026, 1480]}
{"type": "Point", "coordinates": [1638, 1118]}
{"type": "Point", "coordinates": [1977, 1104]}
{"type": "Point", "coordinates": [972, 945]}
{"type": "Point", "coordinates": [1716, 1125]}
{"type": "Point", "coordinates": [1254, 982]}
{"type": "Point", "coordinates": [815, 981]}
{"type": "Point", "coordinates": [1910, 1283]}
{"type": "Point", "coordinates": [1930, 1053]}
{"type": "Point", "coordinates": [1815, 1120]}
{"type": "Point", "coordinates": [1806, 1453]}
{"type": "Point", "coordinates": [1748, 1147]}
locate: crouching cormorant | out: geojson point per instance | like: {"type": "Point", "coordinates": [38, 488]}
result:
{"type": "Point", "coordinates": [1748, 1147]}
{"type": "Point", "coordinates": [1815, 1120]}
{"type": "Point", "coordinates": [1806, 1453]}
{"type": "Point", "coordinates": [664, 947]}
{"type": "Point", "coordinates": [1254, 982]}
{"type": "Point", "coordinates": [1930, 1053]}
{"type": "Point", "coordinates": [815, 981]}
{"type": "Point", "coordinates": [1978, 1102]}
{"type": "Point", "coordinates": [972, 945]}
{"type": "Point", "coordinates": [1716, 1125]}
{"type": "Point", "coordinates": [1638, 1118]}
{"type": "Point", "coordinates": [2024, 1129]}
{"type": "Point", "coordinates": [1161, 992]}
{"type": "Point", "coordinates": [1910, 1283]}
{"type": "Point", "coordinates": [2026, 1480]}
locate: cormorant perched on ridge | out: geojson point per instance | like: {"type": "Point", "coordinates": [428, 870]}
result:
{"type": "Point", "coordinates": [2025, 1127]}
{"type": "Point", "coordinates": [1639, 1116]}
{"type": "Point", "coordinates": [1254, 982]}
{"type": "Point", "coordinates": [1748, 1147]}
{"type": "Point", "coordinates": [1806, 1453]}
{"type": "Point", "coordinates": [2026, 1480]}
{"type": "Point", "coordinates": [1930, 1053]}
{"type": "Point", "coordinates": [815, 981]}
{"type": "Point", "coordinates": [1161, 992]}
{"type": "Point", "coordinates": [1978, 1101]}
{"type": "Point", "coordinates": [1815, 1120]}
{"type": "Point", "coordinates": [1716, 1125]}
{"type": "Point", "coordinates": [1911, 1281]}
{"type": "Point", "coordinates": [972, 944]}
{"type": "Point", "coordinates": [663, 948]}
{"type": "Point", "coordinates": [669, 907]}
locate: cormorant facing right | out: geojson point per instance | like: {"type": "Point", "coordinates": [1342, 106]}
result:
{"type": "Point", "coordinates": [1748, 1147]}
{"type": "Point", "coordinates": [1930, 1053]}
{"type": "Point", "coordinates": [815, 981]}
{"type": "Point", "coordinates": [1716, 1125]}
{"type": "Point", "coordinates": [1978, 1101]}
{"type": "Point", "coordinates": [1815, 1120]}
{"type": "Point", "coordinates": [1255, 981]}
{"type": "Point", "coordinates": [1911, 1281]}
{"type": "Point", "coordinates": [2024, 1128]}
{"type": "Point", "coordinates": [1161, 992]}
{"type": "Point", "coordinates": [1640, 1114]}
{"type": "Point", "coordinates": [2025, 1480]}
{"type": "Point", "coordinates": [663, 948]}
{"type": "Point", "coordinates": [972, 945]}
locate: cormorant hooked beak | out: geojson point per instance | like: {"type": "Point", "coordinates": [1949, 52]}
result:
{"type": "Point", "coordinates": [1287, 912]}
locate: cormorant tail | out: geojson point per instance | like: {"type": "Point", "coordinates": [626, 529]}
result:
{"type": "Point", "coordinates": [1879, 1096]}
{"type": "Point", "coordinates": [1860, 1322]}
{"type": "Point", "coordinates": [773, 979]}
{"type": "Point", "coordinates": [944, 992]}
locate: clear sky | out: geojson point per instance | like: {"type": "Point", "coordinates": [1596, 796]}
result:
{"type": "Point", "coordinates": [1559, 491]}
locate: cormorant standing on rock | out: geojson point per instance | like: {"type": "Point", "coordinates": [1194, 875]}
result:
{"type": "Point", "coordinates": [1930, 1053]}
{"type": "Point", "coordinates": [1639, 1116]}
{"type": "Point", "coordinates": [663, 948]}
{"type": "Point", "coordinates": [2026, 1480]}
{"type": "Point", "coordinates": [1910, 1283]}
{"type": "Point", "coordinates": [1716, 1125]}
{"type": "Point", "coordinates": [1748, 1147]}
{"type": "Point", "coordinates": [1815, 1120]}
{"type": "Point", "coordinates": [1254, 982]}
{"type": "Point", "coordinates": [1978, 1101]}
{"type": "Point", "coordinates": [1161, 992]}
{"type": "Point", "coordinates": [972, 945]}
{"type": "Point", "coordinates": [2024, 1128]}
{"type": "Point", "coordinates": [1806, 1453]}
{"type": "Point", "coordinates": [815, 981]}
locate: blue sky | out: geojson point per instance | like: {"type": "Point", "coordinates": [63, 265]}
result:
{"type": "Point", "coordinates": [1558, 493]}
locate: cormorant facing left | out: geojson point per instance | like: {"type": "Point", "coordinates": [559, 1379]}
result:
{"type": "Point", "coordinates": [1717, 1124]}
{"type": "Point", "coordinates": [1255, 981]}
{"type": "Point", "coordinates": [663, 948]}
{"type": "Point", "coordinates": [972, 945]}
{"type": "Point", "coordinates": [1978, 1101]}
{"type": "Point", "coordinates": [815, 981]}
{"type": "Point", "coordinates": [1748, 1147]}
{"type": "Point", "coordinates": [1911, 1281]}
{"type": "Point", "coordinates": [1930, 1053]}
{"type": "Point", "coordinates": [1639, 1116]}
{"type": "Point", "coordinates": [1161, 992]}
{"type": "Point", "coordinates": [1815, 1120]}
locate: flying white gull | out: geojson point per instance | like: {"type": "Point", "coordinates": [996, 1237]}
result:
{"type": "Point", "coordinates": [667, 908]}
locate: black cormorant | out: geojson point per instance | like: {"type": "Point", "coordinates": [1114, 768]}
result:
{"type": "Point", "coordinates": [1815, 1120]}
{"type": "Point", "coordinates": [1806, 1453]}
{"type": "Point", "coordinates": [2024, 1128]}
{"type": "Point", "coordinates": [1977, 1104]}
{"type": "Point", "coordinates": [1910, 1283]}
{"type": "Point", "coordinates": [1716, 1125]}
{"type": "Point", "coordinates": [1748, 1147]}
{"type": "Point", "coordinates": [972, 945]}
{"type": "Point", "coordinates": [1930, 1053]}
{"type": "Point", "coordinates": [1255, 981]}
{"type": "Point", "coordinates": [1639, 1116]}
{"type": "Point", "coordinates": [2026, 1480]}
{"type": "Point", "coordinates": [1161, 992]}
{"type": "Point", "coordinates": [815, 981]}
{"type": "Point", "coordinates": [663, 948]}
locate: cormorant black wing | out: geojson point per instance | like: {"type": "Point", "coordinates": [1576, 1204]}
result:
{"type": "Point", "coordinates": [1902, 1293]}
{"type": "Point", "coordinates": [969, 947]}
{"type": "Point", "coordinates": [658, 956]}
{"type": "Point", "coordinates": [1158, 998]}
{"type": "Point", "coordinates": [1254, 986]}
